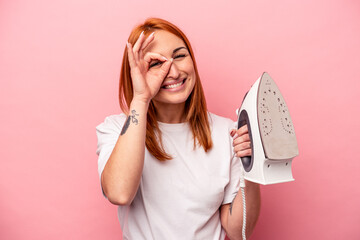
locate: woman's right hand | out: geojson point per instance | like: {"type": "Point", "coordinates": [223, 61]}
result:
{"type": "Point", "coordinates": [146, 83]}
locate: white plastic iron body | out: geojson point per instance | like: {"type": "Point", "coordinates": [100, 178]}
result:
{"type": "Point", "coordinates": [271, 131]}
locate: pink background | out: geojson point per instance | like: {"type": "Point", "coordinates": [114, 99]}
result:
{"type": "Point", "coordinates": [59, 69]}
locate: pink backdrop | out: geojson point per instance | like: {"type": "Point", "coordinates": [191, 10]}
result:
{"type": "Point", "coordinates": [59, 69]}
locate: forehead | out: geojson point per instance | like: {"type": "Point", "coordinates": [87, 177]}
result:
{"type": "Point", "coordinates": [164, 42]}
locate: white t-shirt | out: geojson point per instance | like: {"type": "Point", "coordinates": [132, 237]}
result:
{"type": "Point", "coordinates": [178, 198]}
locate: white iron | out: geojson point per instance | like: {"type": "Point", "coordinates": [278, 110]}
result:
{"type": "Point", "coordinates": [273, 140]}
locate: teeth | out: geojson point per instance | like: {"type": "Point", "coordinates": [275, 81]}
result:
{"type": "Point", "coordinates": [174, 85]}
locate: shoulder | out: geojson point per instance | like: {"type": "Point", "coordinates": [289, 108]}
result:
{"type": "Point", "coordinates": [112, 122]}
{"type": "Point", "coordinates": [219, 121]}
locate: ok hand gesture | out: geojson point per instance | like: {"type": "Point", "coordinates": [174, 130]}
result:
{"type": "Point", "coordinates": [146, 83]}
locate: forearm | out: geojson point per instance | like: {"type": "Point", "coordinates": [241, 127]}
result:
{"type": "Point", "coordinates": [122, 173]}
{"type": "Point", "coordinates": [235, 213]}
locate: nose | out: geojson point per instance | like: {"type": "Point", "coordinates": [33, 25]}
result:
{"type": "Point", "coordinates": [173, 71]}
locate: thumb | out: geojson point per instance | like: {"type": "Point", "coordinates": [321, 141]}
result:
{"type": "Point", "coordinates": [165, 67]}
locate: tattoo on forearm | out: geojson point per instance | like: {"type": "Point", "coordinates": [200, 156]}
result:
{"type": "Point", "coordinates": [131, 118]}
{"type": "Point", "coordinates": [231, 205]}
{"type": "Point", "coordinates": [126, 125]}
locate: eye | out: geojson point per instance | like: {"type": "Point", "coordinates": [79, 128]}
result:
{"type": "Point", "coordinates": [179, 56]}
{"type": "Point", "coordinates": [154, 64]}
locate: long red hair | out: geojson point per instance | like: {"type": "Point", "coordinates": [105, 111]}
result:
{"type": "Point", "coordinates": [195, 105]}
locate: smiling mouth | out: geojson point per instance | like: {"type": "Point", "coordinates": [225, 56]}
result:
{"type": "Point", "coordinates": [175, 85]}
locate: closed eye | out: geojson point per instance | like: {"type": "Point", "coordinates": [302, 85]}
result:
{"type": "Point", "coordinates": [155, 64]}
{"type": "Point", "coordinates": [179, 56]}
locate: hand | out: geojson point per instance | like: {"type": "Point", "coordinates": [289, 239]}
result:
{"type": "Point", "coordinates": [146, 83]}
{"type": "Point", "coordinates": [241, 141]}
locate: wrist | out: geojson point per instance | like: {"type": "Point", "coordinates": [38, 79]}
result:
{"type": "Point", "coordinates": [139, 102]}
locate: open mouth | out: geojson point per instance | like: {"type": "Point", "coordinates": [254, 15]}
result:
{"type": "Point", "coordinates": [175, 85]}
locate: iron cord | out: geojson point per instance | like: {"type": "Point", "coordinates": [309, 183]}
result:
{"type": "Point", "coordinates": [244, 213]}
{"type": "Point", "coordinates": [242, 188]}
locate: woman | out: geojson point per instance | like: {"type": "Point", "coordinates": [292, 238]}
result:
{"type": "Point", "coordinates": [167, 162]}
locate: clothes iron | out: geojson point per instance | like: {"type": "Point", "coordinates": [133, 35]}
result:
{"type": "Point", "coordinates": [272, 134]}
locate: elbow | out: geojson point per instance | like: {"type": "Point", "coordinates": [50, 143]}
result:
{"type": "Point", "coordinates": [238, 237]}
{"type": "Point", "coordinates": [236, 234]}
{"type": "Point", "coordinates": [234, 238]}
{"type": "Point", "coordinates": [116, 195]}
{"type": "Point", "coordinates": [119, 199]}
{"type": "Point", "coordinates": [230, 237]}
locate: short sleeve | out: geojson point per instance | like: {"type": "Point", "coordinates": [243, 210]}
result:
{"type": "Point", "coordinates": [107, 135]}
{"type": "Point", "coordinates": [236, 174]}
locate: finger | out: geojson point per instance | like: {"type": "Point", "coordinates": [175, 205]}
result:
{"type": "Point", "coordinates": [150, 56]}
{"type": "Point", "coordinates": [242, 146]}
{"type": "Point", "coordinates": [241, 139]}
{"type": "Point", "coordinates": [148, 41]}
{"type": "Point", "coordinates": [157, 77]}
{"type": "Point", "coordinates": [242, 130]}
{"type": "Point", "coordinates": [232, 132]}
{"type": "Point", "coordinates": [137, 45]}
{"type": "Point", "coordinates": [130, 55]}
{"type": "Point", "coordinates": [164, 70]}
{"type": "Point", "coordinates": [243, 153]}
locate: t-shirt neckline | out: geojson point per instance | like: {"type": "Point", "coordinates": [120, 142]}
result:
{"type": "Point", "coordinates": [173, 126]}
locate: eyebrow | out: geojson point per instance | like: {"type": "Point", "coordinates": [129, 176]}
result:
{"type": "Point", "coordinates": [177, 49]}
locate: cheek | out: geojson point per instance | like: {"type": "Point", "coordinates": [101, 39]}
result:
{"type": "Point", "coordinates": [191, 73]}
{"type": "Point", "coordinates": [186, 65]}
{"type": "Point", "coordinates": [192, 82]}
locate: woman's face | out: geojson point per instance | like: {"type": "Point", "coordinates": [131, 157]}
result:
{"type": "Point", "coordinates": [180, 80]}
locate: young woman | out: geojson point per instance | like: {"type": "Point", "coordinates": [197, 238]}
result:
{"type": "Point", "coordinates": [166, 161]}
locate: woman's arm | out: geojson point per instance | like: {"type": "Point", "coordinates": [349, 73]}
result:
{"type": "Point", "coordinates": [232, 214]}
{"type": "Point", "coordinates": [122, 173]}
{"type": "Point", "coordinates": [121, 176]}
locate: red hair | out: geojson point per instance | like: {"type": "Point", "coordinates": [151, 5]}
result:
{"type": "Point", "coordinates": [195, 105]}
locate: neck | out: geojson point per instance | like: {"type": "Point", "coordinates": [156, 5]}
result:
{"type": "Point", "coordinates": [170, 113]}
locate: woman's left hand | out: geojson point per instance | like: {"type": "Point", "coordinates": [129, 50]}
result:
{"type": "Point", "coordinates": [241, 141]}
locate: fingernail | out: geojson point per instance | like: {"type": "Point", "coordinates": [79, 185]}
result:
{"type": "Point", "coordinates": [235, 136]}
{"type": "Point", "coordinates": [171, 60]}
{"type": "Point", "coordinates": [142, 33]}
{"type": "Point", "coordinates": [165, 58]}
{"type": "Point", "coordinates": [128, 44]}
{"type": "Point", "coordinates": [151, 34]}
{"type": "Point", "coordinates": [232, 132]}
